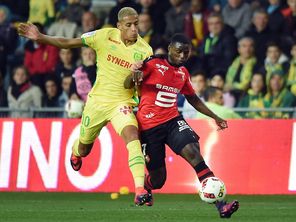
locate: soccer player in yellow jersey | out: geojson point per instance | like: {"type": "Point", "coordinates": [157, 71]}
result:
{"type": "Point", "coordinates": [108, 101]}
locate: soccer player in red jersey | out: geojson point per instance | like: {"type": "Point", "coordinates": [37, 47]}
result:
{"type": "Point", "coordinates": [159, 80]}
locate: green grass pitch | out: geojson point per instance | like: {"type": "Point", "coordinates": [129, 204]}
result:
{"type": "Point", "coordinates": [86, 207]}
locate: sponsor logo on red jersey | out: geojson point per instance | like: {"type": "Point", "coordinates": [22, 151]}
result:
{"type": "Point", "coordinates": [161, 68]}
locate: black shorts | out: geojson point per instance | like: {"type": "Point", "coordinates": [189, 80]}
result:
{"type": "Point", "coordinates": [176, 133]}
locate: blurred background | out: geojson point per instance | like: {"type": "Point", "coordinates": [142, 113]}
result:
{"type": "Point", "coordinates": [243, 62]}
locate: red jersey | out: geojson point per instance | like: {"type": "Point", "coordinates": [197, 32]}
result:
{"type": "Point", "coordinates": [161, 84]}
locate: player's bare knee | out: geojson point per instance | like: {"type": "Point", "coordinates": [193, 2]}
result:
{"type": "Point", "coordinates": [192, 154]}
{"type": "Point", "coordinates": [130, 133]}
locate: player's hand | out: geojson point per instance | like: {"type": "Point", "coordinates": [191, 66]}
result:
{"type": "Point", "coordinates": [137, 77]}
{"type": "Point", "coordinates": [29, 31]}
{"type": "Point", "coordinates": [221, 123]}
{"type": "Point", "coordinates": [137, 74]}
{"type": "Point", "coordinates": [136, 66]}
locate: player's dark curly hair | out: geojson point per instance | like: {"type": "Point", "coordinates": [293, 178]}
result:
{"type": "Point", "coordinates": [180, 38]}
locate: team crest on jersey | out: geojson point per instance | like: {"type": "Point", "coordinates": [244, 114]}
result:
{"type": "Point", "coordinates": [161, 68]}
{"type": "Point", "coordinates": [138, 56]}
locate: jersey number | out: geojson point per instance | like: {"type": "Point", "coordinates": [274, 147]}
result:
{"type": "Point", "coordinates": [165, 99]}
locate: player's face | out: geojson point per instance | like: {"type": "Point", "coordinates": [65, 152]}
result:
{"type": "Point", "coordinates": [129, 28]}
{"type": "Point", "coordinates": [178, 53]}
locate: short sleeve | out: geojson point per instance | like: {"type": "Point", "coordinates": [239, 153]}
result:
{"type": "Point", "coordinates": [187, 88]}
{"type": "Point", "coordinates": [94, 39]}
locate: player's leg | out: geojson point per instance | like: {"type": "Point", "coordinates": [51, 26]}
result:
{"type": "Point", "coordinates": [153, 146]}
{"type": "Point", "coordinates": [126, 125]}
{"type": "Point", "coordinates": [184, 141]}
{"type": "Point", "coordinates": [92, 121]}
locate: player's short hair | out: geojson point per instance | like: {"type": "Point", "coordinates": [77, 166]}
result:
{"type": "Point", "coordinates": [180, 38]}
{"type": "Point", "coordinates": [211, 92]}
{"type": "Point", "coordinates": [126, 11]}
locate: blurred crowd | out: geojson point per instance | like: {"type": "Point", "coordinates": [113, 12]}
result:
{"type": "Point", "coordinates": [244, 51]}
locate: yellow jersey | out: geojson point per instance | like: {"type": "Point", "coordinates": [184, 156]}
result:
{"type": "Point", "coordinates": [114, 60]}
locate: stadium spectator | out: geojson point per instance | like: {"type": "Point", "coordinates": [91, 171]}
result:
{"type": "Point", "coordinates": [85, 75]}
{"type": "Point", "coordinates": [290, 24]}
{"type": "Point", "coordinates": [218, 49]}
{"type": "Point", "coordinates": [8, 38]}
{"type": "Point", "coordinates": [18, 8]}
{"type": "Point", "coordinates": [160, 51]}
{"type": "Point", "coordinates": [52, 97]}
{"type": "Point", "coordinates": [68, 87]}
{"type": "Point", "coordinates": [276, 20]}
{"type": "Point", "coordinates": [112, 18]}
{"type": "Point", "coordinates": [3, 93]}
{"type": "Point", "coordinates": [41, 11]}
{"type": "Point", "coordinates": [63, 27]}
{"type": "Point", "coordinates": [199, 84]}
{"type": "Point", "coordinates": [291, 83]}
{"type": "Point", "coordinates": [217, 5]}
{"type": "Point", "coordinates": [278, 96]}
{"type": "Point", "coordinates": [40, 60]}
{"type": "Point", "coordinates": [156, 11]}
{"type": "Point", "coordinates": [22, 94]}
{"type": "Point", "coordinates": [217, 80]}
{"type": "Point", "coordinates": [146, 31]}
{"type": "Point", "coordinates": [66, 64]}
{"type": "Point", "coordinates": [214, 101]}
{"type": "Point", "coordinates": [254, 97]}
{"type": "Point", "coordinates": [73, 12]}
{"type": "Point", "coordinates": [239, 73]}
{"type": "Point", "coordinates": [261, 34]}
{"type": "Point", "coordinates": [237, 14]}
{"type": "Point", "coordinates": [196, 22]}
{"type": "Point", "coordinates": [275, 60]}
{"type": "Point", "coordinates": [89, 22]}
{"type": "Point", "coordinates": [175, 16]}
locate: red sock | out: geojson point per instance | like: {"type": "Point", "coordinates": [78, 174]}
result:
{"type": "Point", "coordinates": [203, 171]}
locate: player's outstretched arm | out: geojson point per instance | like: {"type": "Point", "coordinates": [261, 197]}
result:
{"type": "Point", "coordinates": [30, 31]}
{"type": "Point", "coordinates": [196, 102]}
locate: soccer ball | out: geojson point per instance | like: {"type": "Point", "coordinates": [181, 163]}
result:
{"type": "Point", "coordinates": [74, 108]}
{"type": "Point", "coordinates": [212, 189]}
